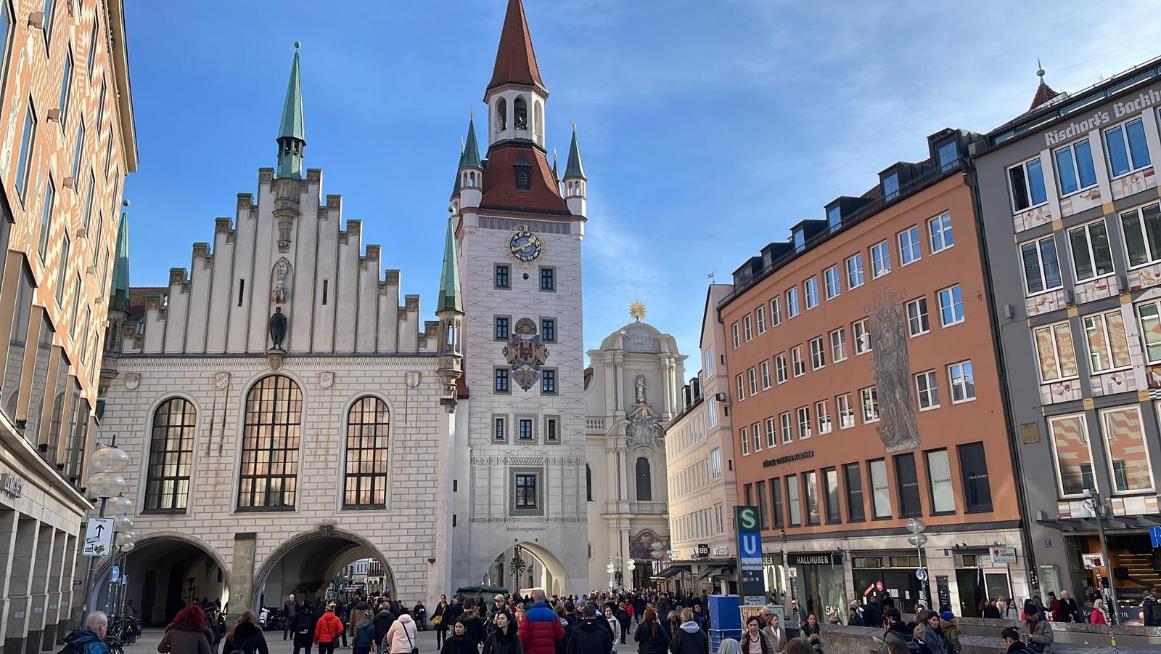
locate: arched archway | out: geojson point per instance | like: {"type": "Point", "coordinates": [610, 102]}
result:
{"type": "Point", "coordinates": [527, 565]}
{"type": "Point", "coordinates": [161, 575]}
{"type": "Point", "coordinates": [309, 563]}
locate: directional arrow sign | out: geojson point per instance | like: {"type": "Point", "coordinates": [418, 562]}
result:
{"type": "Point", "coordinates": [98, 537]}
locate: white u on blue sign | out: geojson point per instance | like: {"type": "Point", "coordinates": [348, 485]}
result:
{"type": "Point", "coordinates": [751, 545]}
{"type": "Point", "coordinates": [1155, 536]}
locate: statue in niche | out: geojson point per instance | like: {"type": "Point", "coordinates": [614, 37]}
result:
{"type": "Point", "coordinates": [277, 327]}
{"type": "Point", "coordinates": [280, 282]}
{"type": "Point", "coordinates": [639, 389]}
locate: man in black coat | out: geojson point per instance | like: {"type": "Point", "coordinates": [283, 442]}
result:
{"type": "Point", "coordinates": [592, 635]}
{"type": "Point", "coordinates": [383, 620]}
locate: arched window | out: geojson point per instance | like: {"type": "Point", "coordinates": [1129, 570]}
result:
{"type": "Point", "coordinates": [171, 450]}
{"type": "Point", "coordinates": [502, 115]}
{"type": "Point", "coordinates": [588, 483]}
{"type": "Point", "coordinates": [368, 429]}
{"type": "Point", "coordinates": [644, 480]}
{"type": "Point", "coordinates": [270, 437]}
{"type": "Point", "coordinates": [520, 119]}
{"type": "Point", "coordinates": [538, 121]}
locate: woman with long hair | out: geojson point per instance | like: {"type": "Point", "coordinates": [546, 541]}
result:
{"type": "Point", "coordinates": [1098, 615]}
{"type": "Point", "coordinates": [650, 636]}
{"type": "Point", "coordinates": [189, 633]}
{"type": "Point", "coordinates": [246, 636]}
{"type": "Point", "coordinates": [503, 639]}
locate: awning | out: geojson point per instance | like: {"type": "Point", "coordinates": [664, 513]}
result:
{"type": "Point", "coordinates": [672, 571]}
{"type": "Point", "coordinates": [1091, 525]}
{"type": "Point", "coordinates": [714, 572]}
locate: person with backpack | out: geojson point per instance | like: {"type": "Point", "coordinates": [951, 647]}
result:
{"type": "Point", "coordinates": [327, 630]}
{"type": "Point", "coordinates": [89, 639]}
{"type": "Point", "coordinates": [189, 633]}
{"type": "Point", "coordinates": [302, 628]}
{"type": "Point", "coordinates": [245, 637]}
{"type": "Point", "coordinates": [363, 638]}
{"type": "Point", "coordinates": [689, 637]}
{"type": "Point", "coordinates": [401, 636]}
{"type": "Point", "coordinates": [592, 635]}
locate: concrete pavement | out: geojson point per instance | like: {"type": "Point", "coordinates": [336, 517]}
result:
{"type": "Point", "coordinates": [147, 643]}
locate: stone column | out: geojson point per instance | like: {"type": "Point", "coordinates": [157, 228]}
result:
{"type": "Point", "coordinates": [242, 572]}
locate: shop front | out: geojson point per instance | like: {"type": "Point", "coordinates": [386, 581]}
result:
{"type": "Point", "coordinates": [977, 576]}
{"type": "Point", "coordinates": [818, 582]}
{"type": "Point", "coordinates": [896, 571]}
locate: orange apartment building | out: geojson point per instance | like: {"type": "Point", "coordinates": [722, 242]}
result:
{"type": "Point", "coordinates": [865, 393]}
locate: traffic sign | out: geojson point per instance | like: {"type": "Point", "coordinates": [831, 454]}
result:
{"type": "Point", "coordinates": [115, 574]}
{"type": "Point", "coordinates": [1155, 536]}
{"type": "Point", "coordinates": [98, 537]}
{"type": "Point", "coordinates": [920, 574]}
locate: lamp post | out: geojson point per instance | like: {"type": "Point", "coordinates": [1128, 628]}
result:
{"type": "Point", "coordinates": [1097, 506]}
{"type": "Point", "coordinates": [630, 566]}
{"type": "Point", "coordinates": [104, 484]}
{"type": "Point", "coordinates": [919, 539]}
{"type": "Point", "coordinates": [609, 569]}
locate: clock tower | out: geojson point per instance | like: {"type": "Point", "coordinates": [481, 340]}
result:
{"type": "Point", "coordinates": [519, 514]}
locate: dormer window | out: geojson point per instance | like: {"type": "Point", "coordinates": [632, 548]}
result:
{"type": "Point", "coordinates": [948, 154]}
{"type": "Point", "coordinates": [891, 186]}
{"type": "Point", "coordinates": [523, 174]}
{"type": "Point", "coordinates": [834, 218]}
{"type": "Point", "coordinates": [521, 117]}
{"type": "Point", "coordinates": [799, 240]}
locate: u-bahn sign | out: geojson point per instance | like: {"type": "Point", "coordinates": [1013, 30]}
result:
{"type": "Point", "coordinates": [749, 531]}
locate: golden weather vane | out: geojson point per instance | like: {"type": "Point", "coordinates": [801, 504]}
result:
{"type": "Point", "coordinates": [637, 310]}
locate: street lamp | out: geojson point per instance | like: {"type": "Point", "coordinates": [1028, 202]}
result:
{"type": "Point", "coordinates": [1096, 505]}
{"type": "Point", "coordinates": [919, 539]}
{"type": "Point", "coordinates": [631, 565]}
{"type": "Point", "coordinates": [106, 482]}
{"type": "Point", "coordinates": [609, 569]}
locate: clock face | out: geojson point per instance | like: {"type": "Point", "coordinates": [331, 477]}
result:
{"type": "Point", "coordinates": [524, 245]}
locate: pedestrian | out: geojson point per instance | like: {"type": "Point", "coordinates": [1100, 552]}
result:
{"type": "Point", "coordinates": [401, 636]}
{"type": "Point", "coordinates": [1068, 608]}
{"type": "Point", "coordinates": [623, 620]}
{"type": "Point", "coordinates": [729, 646]}
{"type": "Point", "coordinates": [1053, 605]}
{"type": "Point", "coordinates": [303, 628]}
{"type": "Point", "coordinates": [932, 635]}
{"type": "Point", "coordinates": [1097, 616]}
{"type": "Point", "coordinates": [437, 621]}
{"type": "Point", "coordinates": [89, 639]}
{"type": "Point", "coordinates": [453, 612]}
{"type": "Point", "coordinates": [689, 638]}
{"type": "Point", "coordinates": [503, 639]}
{"type": "Point", "coordinates": [1006, 610]}
{"type": "Point", "coordinates": [991, 611]}
{"type": "Point", "coordinates": [918, 642]}
{"type": "Point", "coordinates": [895, 630]}
{"type": "Point", "coordinates": [611, 619]}
{"type": "Point", "coordinates": [592, 635]}
{"type": "Point", "coordinates": [328, 630]}
{"type": "Point", "coordinates": [753, 640]}
{"type": "Point", "coordinates": [776, 632]}
{"type": "Point", "coordinates": [798, 646]}
{"type": "Point", "coordinates": [382, 623]}
{"type": "Point", "coordinates": [949, 628]}
{"type": "Point", "coordinates": [289, 609]}
{"type": "Point", "coordinates": [811, 633]}
{"type": "Point", "coordinates": [458, 642]}
{"type": "Point", "coordinates": [189, 633]}
{"type": "Point", "coordinates": [343, 613]}
{"type": "Point", "coordinates": [363, 638]}
{"type": "Point", "coordinates": [540, 628]}
{"type": "Point", "coordinates": [651, 637]}
{"type": "Point", "coordinates": [1010, 637]}
{"type": "Point", "coordinates": [473, 623]}
{"type": "Point", "coordinates": [1150, 609]}
{"type": "Point", "coordinates": [420, 615]}
{"type": "Point", "coordinates": [672, 623]}
{"type": "Point", "coordinates": [245, 636]}
{"type": "Point", "coordinates": [1037, 629]}
{"type": "Point", "coordinates": [854, 617]}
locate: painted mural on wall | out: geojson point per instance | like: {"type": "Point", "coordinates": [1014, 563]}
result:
{"type": "Point", "coordinates": [525, 354]}
{"type": "Point", "coordinates": [891, 366]}
{"type": "Point", "coordinates": [644, 543]}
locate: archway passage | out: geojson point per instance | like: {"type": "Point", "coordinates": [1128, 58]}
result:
{"type": "Point", "coordinates": [314, 567]}
{"type": "Point", "coordinates": [524, 566]}
{"type": "Point", "coordinates": [160, 576]}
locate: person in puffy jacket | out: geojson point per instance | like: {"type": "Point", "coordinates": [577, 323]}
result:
{"type": "Point", "coordinates": [363, 638]}
{"type": "Point", "coordinates": [540, 627]}
{"type": "Point", "coordinates": [689, 638]}
{"type": "Point", "coordinates": [189, 633]}
{"type": "Point", "coordinates": [401, 635]}
{"type": "Point", "coordinates": [91, 638]}
{"type": "Point", "coordinates": [650, 636]}
{"type": "Point", "coordinates": [328, 630]}
{"type": "Point", "coordinates": [246, 636]}
{"type": "Point", "coordinates": [592, 635]}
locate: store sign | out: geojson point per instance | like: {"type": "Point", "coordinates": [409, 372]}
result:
{"type": "Point", "coordinates": [1093, 561]}
{"type": "Point", "coordinates": [1099, 119]}
{"type": "Point", "coordinates": [721, 550]}
{"type": "Point", "coordinates": [789, 458]}
{"type": "Point", "coordinates": [749, 552]}
{"type": "Point", "coordinates": [703, 550]}
{"type": "Point", "coordinates": [11, 485]}
{"type": "Point", "coordinates": [1002, 555]}
{"type": "Point", "coordinates": [815, 558]}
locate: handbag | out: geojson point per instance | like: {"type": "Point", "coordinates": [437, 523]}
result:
{"type": "Point", "coordinates": [437, 620]}
{"type": "Point", "coordinates": [414, 649]}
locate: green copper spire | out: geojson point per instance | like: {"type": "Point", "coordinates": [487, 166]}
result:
{"type": "Point", "coordinates": [291, 133]}
{"type": "Point", "coordinates": [574, 168]}
{"type": "Point", "coordinates": [449, 281]}
{"type": "Point", "coordinates": [471, 149]}
{"type": "Point", "coordinates": [119, 293]}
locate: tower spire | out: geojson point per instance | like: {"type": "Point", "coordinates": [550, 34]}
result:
{"type": "Point", "coordinates": [515, 58]}
{"type": "Point", "coordinates": [471, 156]}
{"type": "Point", "coordinates": [119, 293]}
{"type": "Point", "coordinates": [291, 133]}
{"type": "Point", "coordinates": [449, 281]}
{"type": "Point", "coordinates": [1044, 93]}
{"type": "Point", "coordinates": [574, 168]}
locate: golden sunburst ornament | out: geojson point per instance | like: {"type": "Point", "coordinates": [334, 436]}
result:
{"type": "Point", "coordinates": [637, 310]}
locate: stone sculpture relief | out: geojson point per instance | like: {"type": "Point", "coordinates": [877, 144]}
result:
{"type": "Point", "coordinates": [280, 282]}
{"type": "Point", "coordinates": [891, 366]}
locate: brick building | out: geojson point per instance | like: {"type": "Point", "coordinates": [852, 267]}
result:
{"type": "Point", "coordinates": [864, 393]}
{"type": "Point", "coordinates": [68, 142]}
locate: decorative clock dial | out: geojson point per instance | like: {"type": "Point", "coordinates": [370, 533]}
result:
{"type": "Point", "coordinates": [525, 246]}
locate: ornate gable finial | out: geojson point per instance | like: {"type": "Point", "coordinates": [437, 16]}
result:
{"type": "Point", "coordinates": [637, 310]}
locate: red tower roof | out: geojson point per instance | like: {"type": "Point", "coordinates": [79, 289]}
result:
{"type": "Point", "coordinates": [1044, 95]}
{"type": "Point", "coordinates": [500, 191]}
{"type": "Point", "coordinates": [515, 59]}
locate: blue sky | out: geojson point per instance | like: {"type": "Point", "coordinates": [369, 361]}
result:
{"type": "Point", "coordinates": [708, 127]}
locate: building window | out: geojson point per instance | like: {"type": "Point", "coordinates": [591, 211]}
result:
{"type": "Point", "coordinates": [756, 434]}
{"type": "Point", "coordinates": [891, 187]}
{"type": "Point", "coordinates": [862, 336]}
{"type": "Point", "coordinates": [908, 479]}
{"type": "Point", "coordinates": [760, 318]}
{"type": "Point", "coordinates": [1128, 453]}
{"type": "Point", "coordinates": [66, 84]}
{"type": "Point", "coordinates": [1108, 346]}
{"type": "Point", "coordinates": [765, 368]}
{"type": "Point", "coordinates": [500, 380]}
{"type": "Point", "coordinates": [547, 279]}
{"type": "Point", "coordinates": [810, 290]}
{"type": "Point", "coordinates": [100, 110]}
{"type": "Point", "coordinates": [854, 483]}
{"type": "Point", "coordinates": [715, 459]}
{"type": "Point", "coordinates": [1027, 185]}
{"type": "Point", "coordinates": [368, 436]}
{"type": "Point", "coordinates": [78, 151]}
{"type": "Point", "coordinates": [548, 330]}
{"type": "Point", "coordinates": [93, 45]}
{"type": "Point", "coordinates": [832, 282]}
{"type": "Point", "coordinates": [500, 429]}
{"type": "Point", "coordinates": [787, 427]}
{"type": "Point", "coordinates": [838, 339]}
{"type": "Point", "coordinates": [780, 368]}
{"type": "Point", "coordinates": [23, 161]}
{"type": "Point", "coordinates": [46, 217]}
{"type": "Point", "coordinates": [963, 382]}
{"type": "Point", "coordinates": [270, 439]}
{"type": "Point", "coordinates": [830, 477]}
{"type": "Point", "coordinates": [744, 440]}
{"type": "Point", "coordinates": [771, 433]}
{"type": "Point", "coordinates": [880, 488]}
{"type": "Point", "coordinates": [803, 422]}
{"type": "Point", "coordinates": [644, 480]}
{"type": "Point", "coordinates": [973, 467]}
{"type": "Point", "coordinates": [950, 306]}
{"type": "Point", "coordinates": [62, 271]}
{"type": "Point", "coordinates": [1041, 265]}
{"type": "Point", "coordinates": [846, 413]}
{"type": "Point", "coordinates": [548, 382]}
{"type": "Point", "coordinates": [171, 452]}
{"type": "Point", "coordinates": [1054, 350]}
{"type": "Point", "coordinates": [588, 483]}
{"type": "Point", "coordinates": [735, 333]}
{"type": "Point", "coordinates": [708, 363]}
{"type": "Point", "coordinates": [1074, 167]}
{"type": "Point", "coordinates": [1073, 458]}
{"type": "Point", "coordinates": [939, 476]}
{"type": "Point", "coordinates": [525, 429]}
{"type": "Point", "coordinates": [776, 311]}
{"type": "Point", "coordinates": [855, 274]}
{"type": "Point", "coordinates": [1091, 256]}
{"type": "Point", "coordinates": [927, 386]}
{"type": "Point", "coordinates": [939, 232]}
{"type": "Point", "coordinates": [909, 250]}
{"type": "Point", "coordinates": [748, 328]}
{"type": "Point", "coordinates": [880, 259]}
{"type": "Point", "coordinates": [817, 353]}
{"type": "Point", "coordinates": [869, 397]}
{"type": "Point", "coordinates": [109, 154]}
{"type": "Point", "coordinates": [741, 383]}
{"type": "Point", "coordinates": [917, 322]}
{"type": "Point", "coordinates": [810, 484]}
{"type": "Point", "coordinates": [501, 328]}
{"type": "Point", "coordinates": [796, 360]}
{"type": "Point", "coordinates": [760, 491]}
{"type": "Point", "coordinates": [823, 415]}
{"type": "Point", "coordinates": [1128, 150]}
{"type": "Point", "coordinates": [792, 303]}
{"type": "Point", "coordinates": [776, 509]}
{"type": "Point", "coordinates": [21, 316]}
{"type": "Point", "coordinates": [792, 500]}
{"type": "Point", "coordinates": [752, 376]}
{"type": "Point", "coordinates": [1142, 229]}
{"type": "Point", "coordinates": [89, 202]}
{"type": "Point", "coordinates": [1150, 317]}
{"type": "Point", "coordinates": [526, 497]}
{"type": "Point", "coordinates": [503, 276]}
